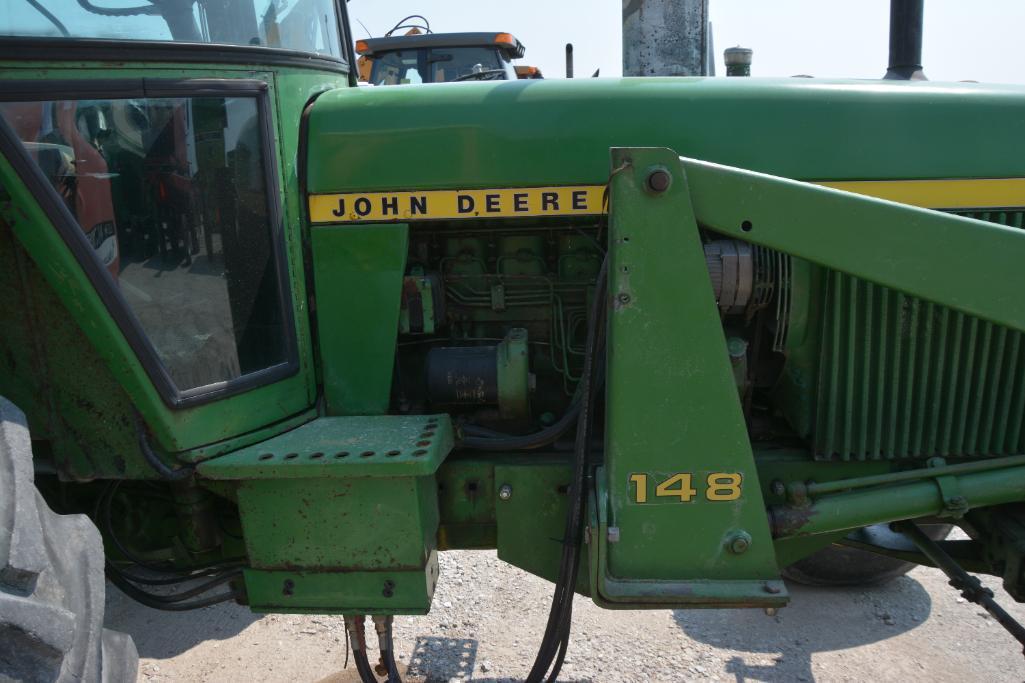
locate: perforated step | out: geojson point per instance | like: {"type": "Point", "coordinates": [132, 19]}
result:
{"type": "Point", "coordinates": [369, 446]}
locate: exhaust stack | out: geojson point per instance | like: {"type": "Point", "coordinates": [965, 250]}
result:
{"type": "Point", "coordinates": [906, 40]}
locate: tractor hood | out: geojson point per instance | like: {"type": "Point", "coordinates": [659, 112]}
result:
{"type": "Point", "coordinates": [535, 133]}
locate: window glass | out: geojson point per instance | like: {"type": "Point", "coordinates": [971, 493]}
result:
{"type": "Point", "coordinates": [172, 195]}
{"type": "Point", "coordinates": [466, 63]}
{"type": "Point", "coordinates": [307, 25]}
{"type": "Point", "coordinates": [396, 68]}
{"type": "Point", "coordinates": [439, 65]}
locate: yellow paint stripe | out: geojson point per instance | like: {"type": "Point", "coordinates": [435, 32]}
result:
{"type": "Point", "coordinates": [975, 193]}
{"type": "Point", "coordinates": [580, 200]}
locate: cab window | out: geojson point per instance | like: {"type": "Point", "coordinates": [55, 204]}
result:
{"type": "Point", "coordinates": [173, 194]}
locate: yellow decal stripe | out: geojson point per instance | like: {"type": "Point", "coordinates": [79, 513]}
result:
{"type": "Point", "coordinates": [584, 200]}
{"type": "Point", "coordinates": [976, 193]}
{"type": "Point", "coordinates": [525, 202]}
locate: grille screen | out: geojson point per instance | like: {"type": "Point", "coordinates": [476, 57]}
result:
{"type": "Point", "coordinates": [904, 378]}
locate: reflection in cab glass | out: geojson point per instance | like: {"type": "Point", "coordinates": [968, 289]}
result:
{"type": "Point", "coordinates": [304, 25]}
{"type": "Point", "coordinates": [172, 195]}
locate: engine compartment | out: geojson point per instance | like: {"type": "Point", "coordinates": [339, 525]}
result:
{"type": "Point", "coordinates": [494, 319]}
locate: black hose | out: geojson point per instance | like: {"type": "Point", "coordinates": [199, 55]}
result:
{"type": "Point", "coordinates": [402, 24]}
{"type": "Point", "coordinates": [482, 441]}
{"type": "Point", "coordinates": [555, 641]}
{"type": "Point", "coordinates": [165, 472]}
{"type": "Point", "coordinates": [358, 643]}
{"type": "Point", "coordinates": [103, 516]}
{"type": "Point", "coordinates": [204, 587]}
{"type": "Point", "coordinates": [388, 653]}
{"type": "Point", "coordinates": [151, 600]}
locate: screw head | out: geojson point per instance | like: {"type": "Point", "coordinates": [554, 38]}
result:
{"type": "Point", "coordinates": [505, 492]}
{"type": "Point", "coordinates": [623, 298]}
{"type": "Point", "coordinates": [659, 180]}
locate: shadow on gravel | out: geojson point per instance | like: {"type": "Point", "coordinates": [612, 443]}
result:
{"type": "Point", "coordinates": [162, 635]}
{"type": "Point", "coordinates": [436, 658]}
{"type": "Point", "coordinates": [817, 620]}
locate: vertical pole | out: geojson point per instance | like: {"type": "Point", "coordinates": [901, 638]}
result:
{"type": "Point", "coordinates": [569, 60]}
{"type": "Point", "coordinates": [665, 38]}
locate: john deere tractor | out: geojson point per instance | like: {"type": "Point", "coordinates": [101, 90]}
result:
{"type": "Point", "coordinates": [270, 338]}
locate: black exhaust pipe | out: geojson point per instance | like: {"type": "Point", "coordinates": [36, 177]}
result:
{"type": "Point", "coordinates": [906, 40]}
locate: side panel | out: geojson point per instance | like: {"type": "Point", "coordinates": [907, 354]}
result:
{"type": "Point", "coordinates": [358, 275]}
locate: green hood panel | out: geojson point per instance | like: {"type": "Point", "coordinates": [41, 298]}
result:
{"type": "Point", "coordinates": [523, 133]}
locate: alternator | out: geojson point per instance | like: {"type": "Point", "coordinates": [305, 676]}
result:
{"type": "Point", "coordinates": [731, 266]}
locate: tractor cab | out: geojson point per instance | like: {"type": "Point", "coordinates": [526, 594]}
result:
{"type": "Point", "coordinates": [440, 58]}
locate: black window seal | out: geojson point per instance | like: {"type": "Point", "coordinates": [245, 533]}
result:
{"type": "Point", "coordinates": [75, 239]}
{"type": "Point", "coordinates": [22, 49]}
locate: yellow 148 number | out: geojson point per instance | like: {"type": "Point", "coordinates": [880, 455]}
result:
{"type": "Point", "coordinates": [718, 486]}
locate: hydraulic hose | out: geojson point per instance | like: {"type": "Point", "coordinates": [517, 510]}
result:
{"type": "Point", "coordinates": [555, 641]}
{"type": "Point", "coordinates": [482, 440]}
{"type": "Point", "coordinates": [154, 601]}
{"type": "Point", "coordinates": [165, 472]}
{"type": "Point", "coordinates": [358, 643]}
{"type": "Point", "coordinates": [383, 625]}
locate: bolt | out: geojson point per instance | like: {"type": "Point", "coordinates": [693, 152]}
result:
{"type": "Point", "coordinates": [777, 488]}
{"type": "Point", "coordinates": [740, 542]}
{"type": "Point", "coordinates": [505, 492]}
{"type": "Point", "coordinates": [288, 588]}
{"type": "Point", "coordinates": [659, 180]}
{"type": "Point", "coordinates": [389, 588]}
{"type": "Point", "coordinates": [623, 298]}
{"type": "Point", "coordinates": [613, 534]}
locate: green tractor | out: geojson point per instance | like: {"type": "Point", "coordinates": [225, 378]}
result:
{"type": "Point", "coordinates": [271, 338]}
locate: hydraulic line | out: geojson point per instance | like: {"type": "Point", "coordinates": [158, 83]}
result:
{"type": "Point", "coordinates": [195, 572]}
{"type": "Point", "coordinates": [555, 641]}
{"type": "Point", "coordinates": [483, 441]}
{"type": "Point", "coordinates": [215, 573]}
{"type": "Point", "coordinates": [383, 626]}
{"type": "Point", "coordinates": [151, 600]}
{"type": "Point", "coordinates": [156, 463]}
{"type": "Point", "coordinates": [358, 644]}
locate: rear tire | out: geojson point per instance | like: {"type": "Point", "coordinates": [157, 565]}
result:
{"type": "Point", "coordinates": [51, 580]}
{"type": "Point", "coordinates": [843, 566]}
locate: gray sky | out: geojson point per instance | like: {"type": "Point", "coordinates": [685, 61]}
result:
{"type": "Point", "coordinates": [979, 40]}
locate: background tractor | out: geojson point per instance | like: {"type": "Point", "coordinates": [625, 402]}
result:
{"type": "Point", "coordinates": [422, 56]}
{"type": "Point", "coordinates": [272, 338]}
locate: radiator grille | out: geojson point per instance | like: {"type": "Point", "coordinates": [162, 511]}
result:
{"type": "Point", "coordinates": [904, 378]}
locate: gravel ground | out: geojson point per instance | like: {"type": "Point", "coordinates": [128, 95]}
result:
{"type": "Point", "coordinates": [488, 617]}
